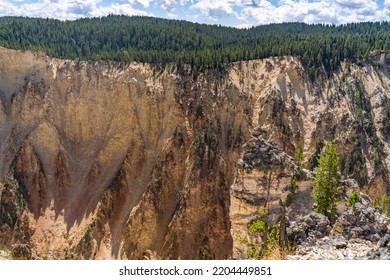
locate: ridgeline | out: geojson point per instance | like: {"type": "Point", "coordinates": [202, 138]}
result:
{"type": "Point", "coordinates": [320, 47]}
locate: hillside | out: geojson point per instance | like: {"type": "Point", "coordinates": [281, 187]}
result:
{"type": "Point", "coordinates": [321, 48]}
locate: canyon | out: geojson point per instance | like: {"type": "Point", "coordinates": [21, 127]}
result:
{"type": "Point", "coordinates": [117, 160]}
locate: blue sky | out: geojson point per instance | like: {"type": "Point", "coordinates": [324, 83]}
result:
{"type": "Point", "coordinates": [237, 13]}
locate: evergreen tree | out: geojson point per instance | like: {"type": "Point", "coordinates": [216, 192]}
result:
{"type": "Point", "coordinates": [298, 156]}
{"type": "Point", "coordinates": [353, 199]}
{"type": "Point", "coordinates": [321, 48]}
{"type": "Point", "coordinates": [325, 188]}
{"type": "Point", "coordinates": [384, 204]}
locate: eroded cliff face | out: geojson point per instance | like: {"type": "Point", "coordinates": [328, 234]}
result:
{"type": "Point", "coordinates": [115, 160]}
{"type": "Point", "coordinates": [126, 160]}
{"type": "Point", "coordinates": [348, 108]}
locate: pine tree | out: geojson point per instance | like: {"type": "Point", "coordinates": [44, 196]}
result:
{"type": "Point", "coordinates": [384, 204]}
{"type": "Point", "coordinates": [298, 156]}
{"type": "Point", "coordinates": [325, 188]}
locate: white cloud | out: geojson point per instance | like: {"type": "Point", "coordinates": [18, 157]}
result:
{"type": "Point", "coordinates": [288, 11]}
{"type": "Point", "coordinates": [244, 25]}
{"type": "Point", "coordinates": [61, 9]}
{"type": "Point", "coordinates": [7, 8]}
{"type": "Point", "coordinates": [320, 11]}
{"type": "Point", "coordinates": [172, 16]}
{"type": "Point", "coordinates": [144, 3]}
{"type": "Point", "coordinates": [242, 13]}
{"type": "Point", "coordinates": [263, 4]}
{"type": "Point", "coordinates": [117, 9]}
{"type": "Point", "coordinates": [171, 5]}
{"type": "Point", "coordinates": [214, 9]}
{"type": "Point", "coordinates": [69, 9]}
{"type": "Point", "coordinates": [354, 4]}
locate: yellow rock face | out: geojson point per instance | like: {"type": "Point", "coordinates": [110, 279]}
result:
{"type": "Point", "coordinates": [127, 160]}
{"type": "Point", "coordinates": [103, 151]}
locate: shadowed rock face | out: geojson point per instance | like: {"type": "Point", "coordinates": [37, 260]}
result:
{"type": "Point", "coordinates": [104, 153]}
{"type": "Point", "coordinates": [124, 160]}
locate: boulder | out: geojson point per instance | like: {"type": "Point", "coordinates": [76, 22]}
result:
{"type": "Point", "coordinates": [359, 234]}
{"type": "Point", "coordinates": [382, 249]}
{"type": "Point", "coordinates": [365, 222]}
{"type": "Point", "coordinates": [314, 225]}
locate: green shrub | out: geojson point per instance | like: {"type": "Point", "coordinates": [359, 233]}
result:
{"type": "Point", "coordinates": [384, 203]}
{"type": "Point", "coordinates": [353, 199]}
{"type": "Point", "coordinates": [375, 203]}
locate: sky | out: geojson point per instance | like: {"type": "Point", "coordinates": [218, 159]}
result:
{"type": "Point", "coordinates": [236, 13]}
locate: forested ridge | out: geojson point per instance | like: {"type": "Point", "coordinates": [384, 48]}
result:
{"type": "Point", "coordinates": [161, 41]}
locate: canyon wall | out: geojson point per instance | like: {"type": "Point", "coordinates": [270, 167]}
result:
{"type": "Point", "coordinates": [108, 160]}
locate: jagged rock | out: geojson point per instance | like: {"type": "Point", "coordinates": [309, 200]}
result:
{"type": "Point", "coordinates": [354, 235]}
{"type": "Point", "coordinates": [375, 238]}
{"type": "Point", "coordinates": [335, 247]}
{"type": "Point", "coordinates": [263, 154]}
{"type": "Point", "coordinates": [4, 255]}
{"type": "Point", "coordinates": [241, 163]}
{"type": "Point", "coordinates": [356, 232]}
{"type": "Point", "coordinates": [305, 174]}
{"type": "Point", "coordinates": [313, 224]}
{"type": "Point", "coordinates": [382, 249]}
{"type": "Point", "coordinates": [21, 252]}
{"type": "Point", "coordinates": [150, 255]}
{"type": "Point", "coordinates": [349, 183]}
{"type": "Point", "coordinates": [364, 223]}
{"type": "Point", "coordinates": [263, 179]}
{"type": "Point", "coordinates": [340, 243]}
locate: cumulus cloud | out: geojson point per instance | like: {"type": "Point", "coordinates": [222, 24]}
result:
{"type": "Point", "coordinates": [117, 9]}
{"type": "Point", "coordinates": [144, 3]}
{"type": "Point", "coordinates": [69, 9]}
{"type": "Point", "coordinates": [172, 16]}
{"type": "Point", "coordinates": [171, 5]}
{"type": "Point", "coordinates": [292, 11]}
{"type": "Point", "coordinates": [320, 11]}
{"type": "Point", "coordinates": [214, 8]}
{"type": "Point", "coordinates": [254, 12]}
{"type": "Point", "coordinates": [354, 4]}
{"type": "Point", "coordinates": [241, 13]}
{"type": "Point", "coordinates": [244, 25]}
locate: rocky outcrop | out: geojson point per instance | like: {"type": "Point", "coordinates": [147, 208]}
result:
{"type": "Point", "coordinates": [381, 250]}
{"type": "Point", "coordinates": [359, 234]}
{"type": "Point", "coordinates": [263, 180]}
{"type": "Point", "coordinates": [292, 109]}
{"type": "Point", "coordinates": [312, 225]}
{"type": "Point", "coordinates": [14, 222]}
{"type": "Point", "coordinates": [365, 223]}
{"type": "Point", "coordinates": [5, 255]}
{"type": "Point", "coordinates": [332, 248]}
{"type": "Point", "coordinates": [21, 252]}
